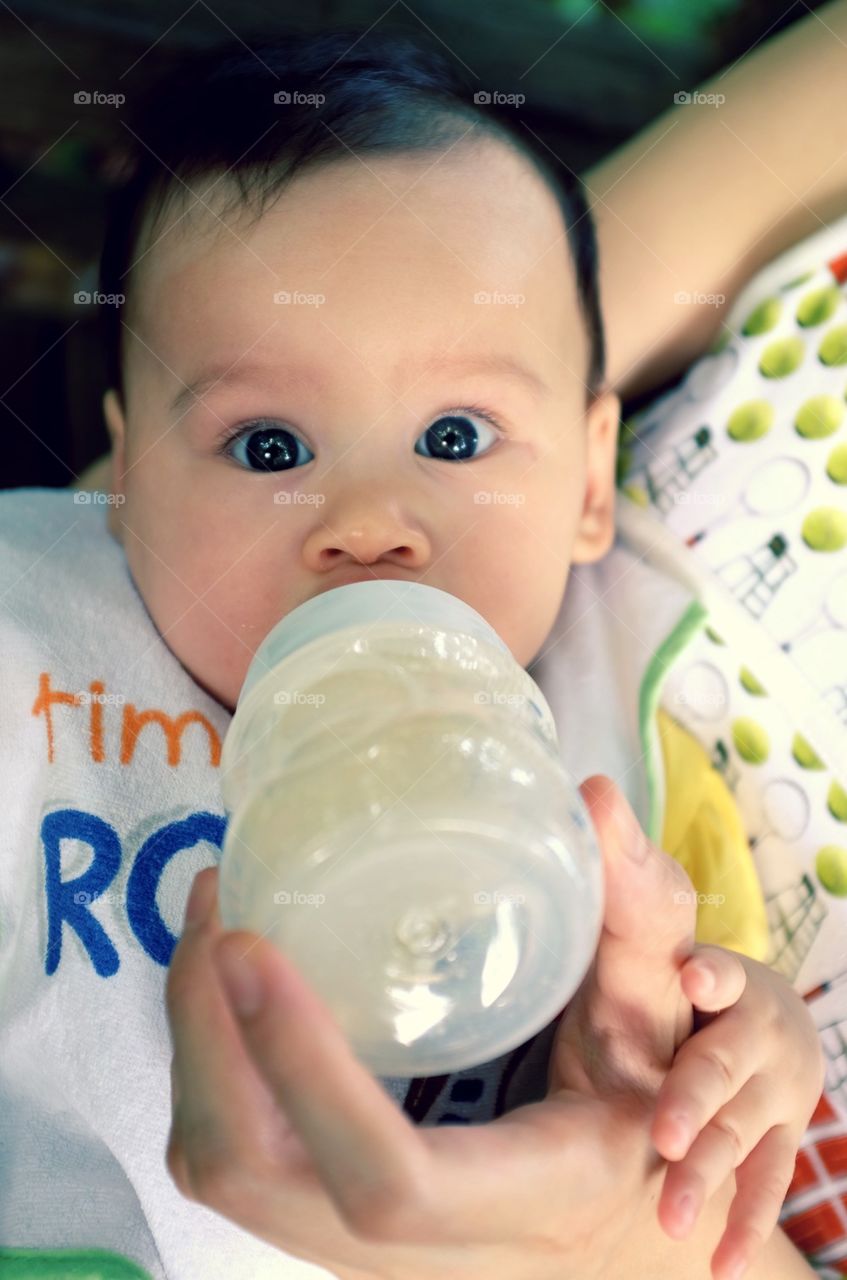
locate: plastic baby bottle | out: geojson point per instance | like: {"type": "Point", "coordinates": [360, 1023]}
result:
{"type": "Point", "coordinates": [402, 827]}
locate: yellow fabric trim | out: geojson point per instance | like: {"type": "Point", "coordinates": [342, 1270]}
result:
{"type": "Point", "coordinates": [703, 831]}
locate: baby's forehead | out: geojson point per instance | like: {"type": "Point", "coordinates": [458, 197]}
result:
{"type": "Point", "coordinates": [485, 203]}
{"type": "Point", "coordinates": [414, 241]}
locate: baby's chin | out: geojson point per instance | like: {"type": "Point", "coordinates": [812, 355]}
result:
{"type": "Point", "coordinates": [222, 687]}
{"type": "Point", "coordinates": [226, 696]}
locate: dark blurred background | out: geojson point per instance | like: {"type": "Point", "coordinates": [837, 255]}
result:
{"type": "Point", "coordinates": [593, 71]}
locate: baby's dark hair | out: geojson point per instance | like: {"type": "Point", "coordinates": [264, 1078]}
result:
{"type": "Point", "coordinates": [220, 111]}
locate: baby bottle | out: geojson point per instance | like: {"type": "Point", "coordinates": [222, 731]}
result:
{"type": "Point", "coordinates": [402, 827]}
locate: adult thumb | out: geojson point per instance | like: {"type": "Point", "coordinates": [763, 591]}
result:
{"type": "Point", "coordinates": [630, 1014]}
{"type": "Point", "coordinates": [650, 912]}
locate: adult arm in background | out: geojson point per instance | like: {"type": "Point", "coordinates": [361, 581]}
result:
{"type": "Point", "coordinates": [707, 195]}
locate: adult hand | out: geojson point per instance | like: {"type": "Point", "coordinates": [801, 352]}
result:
{"type": "Point", "coordinates": [280, 1128]}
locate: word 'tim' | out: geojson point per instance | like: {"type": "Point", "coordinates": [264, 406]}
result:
{"type": "Point", "coordinates": [132, 722]}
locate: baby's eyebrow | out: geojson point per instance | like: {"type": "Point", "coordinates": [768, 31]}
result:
{"type": "Point", "coordinates": [237, 373]}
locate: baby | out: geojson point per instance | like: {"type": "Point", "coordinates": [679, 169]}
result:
{"type": "Point", "coordinates": [361, 337]}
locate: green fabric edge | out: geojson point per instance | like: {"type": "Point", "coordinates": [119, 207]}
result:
{"type": "Point", "coordinates": [67, 1264]}
{"type": "Point", "coordinates": [648, 704]}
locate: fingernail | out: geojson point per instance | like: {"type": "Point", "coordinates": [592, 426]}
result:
{"type": "Point", "coordinates": [240, 979]}
{"type": "Point", "coordinates": [737, 1269]}
{"type": "Point", "coordinates": [200, 901]}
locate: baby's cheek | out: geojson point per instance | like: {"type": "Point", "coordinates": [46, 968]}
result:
{"type": "Point", "coordinates": [205, 607]}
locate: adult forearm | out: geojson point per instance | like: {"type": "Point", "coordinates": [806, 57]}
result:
{"type": "Point", "coordinates": [707, 194]}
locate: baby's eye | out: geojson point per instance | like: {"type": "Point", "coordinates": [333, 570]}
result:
{"type": "Point", "coordinates": [453, 437]}
{"type": "Point", "coordinates": [265, 446]}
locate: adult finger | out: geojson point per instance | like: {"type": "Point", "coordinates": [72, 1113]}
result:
{"type": "Point", "coordinates": [369, 1156]}
{"type": "Point", "coordinates": [630, 1013]}
{"type": "Point", "coordinates": [225, 1116]}
{"type": "Point", "coordinates": [505, 1181]}
{"type": "Point", "coordinates": [648, 900]}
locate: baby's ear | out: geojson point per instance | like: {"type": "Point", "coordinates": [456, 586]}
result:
{"type": "Point", "coordinates": [596, 529]}
{"type": "Point", "coordinates": [116, 426]}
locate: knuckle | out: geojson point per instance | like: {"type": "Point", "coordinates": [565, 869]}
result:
{"type": "Point", "coordinates": [720, 1066]}
{"type": "Point", "coordinates": [729, 1130]}
{"type": "Point", "coordinates": [770, 1192]}
{"type": "Point", "coordinates": [755, 1237]}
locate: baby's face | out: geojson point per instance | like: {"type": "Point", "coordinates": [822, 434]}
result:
{"type": "Point", "coordinates": [395, 253]}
